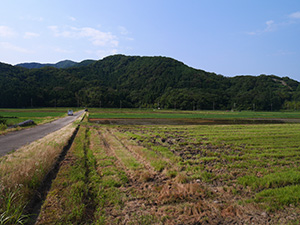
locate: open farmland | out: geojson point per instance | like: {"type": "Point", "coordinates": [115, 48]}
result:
{"type": "Point", "coordinates": [178, 174]}
{"type": "Point", "coordinates": [11, 117]}
{"type": "Point", "coordinates": [179, 114]}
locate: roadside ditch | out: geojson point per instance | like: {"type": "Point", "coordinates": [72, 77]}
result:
{"type": "Point", "coordinates": [34, 206]}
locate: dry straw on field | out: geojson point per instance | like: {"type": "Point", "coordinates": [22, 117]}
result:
{"type": "Point", "coordinates": [22, 171]}
{"type": "Point", "coordinates": [33, 160]}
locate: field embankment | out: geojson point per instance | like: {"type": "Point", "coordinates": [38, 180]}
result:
{"type": "Point", "coordinates": [23, 171]}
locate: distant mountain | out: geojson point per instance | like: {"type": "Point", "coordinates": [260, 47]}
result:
{"type": "Point", "coordinates": [60, 65]}
{"type": "Point", "coordinates": [64, 64]}
{"type": "Point", "coordinates": [85, 63]}
{"type": "Point", "coordinates": [33, 65]}
{"type": "Point", "coordinates": [135, 81]}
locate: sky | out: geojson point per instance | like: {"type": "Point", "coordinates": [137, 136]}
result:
{"type": "Point", "coordinates": [227, 37]}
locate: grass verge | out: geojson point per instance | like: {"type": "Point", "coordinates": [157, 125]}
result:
{"type": "Point", "coordinates": [22, 172]}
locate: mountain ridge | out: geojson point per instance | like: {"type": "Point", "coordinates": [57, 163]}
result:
{"type": "Point", "coordinates": [64, 64]}
{"type": "Point", "coordinates": [143, 81]}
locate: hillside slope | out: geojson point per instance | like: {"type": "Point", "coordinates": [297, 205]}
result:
{"type": "Point", "coordinates": [60, 65]}
{"type": "Point", "coordinates": [135, 81]}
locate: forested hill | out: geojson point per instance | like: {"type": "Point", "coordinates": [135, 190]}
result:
{"type": "Point", "coordinates": [134, 81]}
{"type": "Point", "coordinates": [60, 65]}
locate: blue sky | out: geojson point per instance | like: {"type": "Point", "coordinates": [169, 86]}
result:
{"type": "Point", "coordinates": [228, 37]}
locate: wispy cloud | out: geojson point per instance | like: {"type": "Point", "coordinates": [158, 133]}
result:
{"type": "Point", "coordinates": [72, 18]}
{"type": "Point", "coordinates": [96, 37]}
{"type": "Point", "coordinates": [12, 47]}
{"type": "Point", "coordinates": [270, 27]}
{"type": "Point", "coordinates": [295, 15]}
{"type": "Point", "coordinates": [124, 32]}
{"type": "Point", "coordinates": [60, 50]}
{"type": "Point", "coordinates": [7, 32]}
{"type": "Point", "coordinates": [32, 18]}
{"type": "Point", "coordinates": [283, 53]}
{"type": "Point", "coordinates": [29, 35]}
{"type": "Point", "coordinates": [102, 53]}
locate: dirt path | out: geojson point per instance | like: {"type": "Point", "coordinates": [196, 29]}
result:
{"type": "Point", "coordinates": [17, 139]}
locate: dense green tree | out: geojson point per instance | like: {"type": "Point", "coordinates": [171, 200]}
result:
{"type": "Point", "coordinates": [133, 81]}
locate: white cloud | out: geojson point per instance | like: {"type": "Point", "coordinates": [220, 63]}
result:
{"type": "Point", "coordinates": [6, 32]}
{"type": "Point", "coordinates": [270, 26]}
{"type": "Point", "coordinates": [123, 30]}
{"type": "Point", "coordinates": [32, 18]}
{"type": "Point", "coordinates": [72, 18]}
{"type": "Point", "coordinates": [96, 37]}
{"type": "Point", "coordinates": [29, 35]}
{"type": "Point", "coordinates": [295, 15]}
{"type": "Point", "coordinates": [283, 53]}
{"type": "Point", "coordinates": [11, 47]}
{"type": "Point", "coordinates": [102, 53]}
{"type": "Point", "coordinates": [60, 50]}
{"type": "Point", "coordinates": [58, 33]}
{"type": "Point", "coordinates": [251, 33]}
{"type": "Point", "coordinates": [53, 28]}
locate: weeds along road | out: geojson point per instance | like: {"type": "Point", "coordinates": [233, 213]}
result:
{"type": "Point", "coordinates": [14, 140]}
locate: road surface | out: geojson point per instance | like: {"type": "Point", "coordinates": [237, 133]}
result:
{"type": "Point", "coordinates": [14, 140]}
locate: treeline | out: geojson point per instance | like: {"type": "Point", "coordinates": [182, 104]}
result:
{"type": "Point", "coordinates": [133, 81]}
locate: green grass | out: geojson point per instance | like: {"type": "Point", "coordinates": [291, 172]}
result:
{"type": "Point", "coordinates": [254, 164]}
{"type": "Point", "coordinates": [178, 114]}
{"type": "Point", "coordinates": [265, 158]}
{"type": "Point", "coordinates": [85, 186]}
{"type": "Point", "coordinates": [75, 196]}
{"type": "Point", "coordinates": [41, 115]}
{"type": "Point", "coordinates": [11, 211]}
{"type": "Point", "coordinates": [272, 180]}
{"type": "Point", "coordinates": [279, 198]}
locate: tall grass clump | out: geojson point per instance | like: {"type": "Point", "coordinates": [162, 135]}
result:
{"type": "Point", "coordinates": [11, 208]}
{"type": "Point", "coordinates": [278, 198]}
{"type": "Point", "coordinates": [22, 171]}
{"type": "Point", "coordinates": [273, 180]}
{"type": "Point", "coordinates": [3, 126]}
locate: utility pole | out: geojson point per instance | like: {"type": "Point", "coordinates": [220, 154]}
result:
{"type": "Point", "coordinates": [271, 106]}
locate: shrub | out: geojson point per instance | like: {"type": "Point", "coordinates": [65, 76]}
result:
{"type": "Point", "coordinates": [2, 126]}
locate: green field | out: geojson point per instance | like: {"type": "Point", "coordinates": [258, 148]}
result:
{"type": "Point", "coordinates": [166, 174]}
{"type": "Point", "coordinates": [41, 115]}
{"type": "Point", "coordinates": [178, 114]}
{"type": "Point", "coordinates": [178, 174]}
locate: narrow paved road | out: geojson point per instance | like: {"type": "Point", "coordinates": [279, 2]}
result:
{"type": "Point", "coordinates": [14, 140]}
